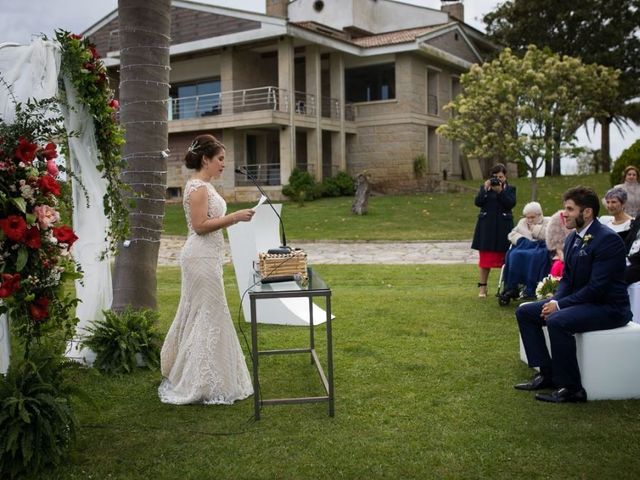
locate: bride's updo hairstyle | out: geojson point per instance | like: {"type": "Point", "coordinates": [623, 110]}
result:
{"type": "Point", "coordinates": [202, 146]}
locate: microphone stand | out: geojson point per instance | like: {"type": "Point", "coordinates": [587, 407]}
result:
{"type": "Point", "coordinates": [283, 248]}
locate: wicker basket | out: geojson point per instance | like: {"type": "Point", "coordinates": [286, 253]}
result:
{"type": "Point", "coordinates": [293, 263]}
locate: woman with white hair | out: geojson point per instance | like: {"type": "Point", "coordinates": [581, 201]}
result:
{"type": "Point", "coordinates": [527, 260]}
{"type": "Point", "coordinates": [618, 220]}
{"type": "Point", "coordinates": [532, 226]}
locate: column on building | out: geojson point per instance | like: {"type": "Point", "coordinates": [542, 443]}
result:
{"type": "Point", "coordinates": [338, 139]}
{"type": "Point", "coordinates": [314, 136]}
{"type": "Point", "coordinates": [226, 79]}
{"type": "Point", "coordinates": [285, 85]}
{"type": "Point", "coordinates": [232, 151]}
{"type": "Point", "coordinates": [228, 134]}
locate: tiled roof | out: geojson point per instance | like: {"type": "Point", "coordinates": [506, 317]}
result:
{"type": "Point", "coordinates": [392, 38]}
{"type": "Point", "coordinates": [324, 30]}
{"type": "Point", "coordinates": [369, 41]}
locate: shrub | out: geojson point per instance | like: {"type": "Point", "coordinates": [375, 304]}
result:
{"type": "Point", "coordinates": [301, 186]}
{"type": "Point", "coordinates": [419, 165]}
{"type": "Point", "coordinates": [36, 418]}
{"type": "Point", "coordinates": [123, 341]}
{"type": "Point", "coordinates": [340, 185]}
{"type": "Point", "coordinates": [346, 183]}
{"type": "Point", "coordinates": [631, 156]}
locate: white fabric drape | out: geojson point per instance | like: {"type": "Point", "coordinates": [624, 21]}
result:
{"type": "Point", "coordinates": [89, 222]}
{"type": "Point", "coordinates": [5, 345]}
{"type": "Point", "coordinates": [32, 72]}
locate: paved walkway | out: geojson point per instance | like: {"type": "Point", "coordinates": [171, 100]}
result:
{"type": "Point", "coordinates": [356, 252]}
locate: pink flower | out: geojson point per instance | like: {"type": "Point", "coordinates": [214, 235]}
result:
{"type": "Point", "coordinates": [46, 215]}
{"type": "Point", "coordinates": [52, 168]}
{"type": "Point", "coordinates": [115, 104]}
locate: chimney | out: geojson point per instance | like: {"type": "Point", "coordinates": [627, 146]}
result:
{"type": "Point", "coordinates": [455, 9]}
{"type": "Point", "coordinates": [277, 8]}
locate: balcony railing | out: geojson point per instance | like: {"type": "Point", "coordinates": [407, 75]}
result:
{"type": "Point", "coordinates": [264, 173]}
{"type": "Point", "coordinates": [305, 103]}
{"type": "Point", "coordinates": [252, 100]}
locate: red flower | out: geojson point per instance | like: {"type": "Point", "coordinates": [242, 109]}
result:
{"type": "Point", "coordinates": [75, 36]}
{"type": "Point", "coordinates": [14, 227]}
{"type": "Point", "coordinates": [113, 103]}
{"type": "Point", "coordinates": [49, 151]}
{"type": "Point", "coordinates": [9, 284]}
{"type": "Point", "coordinates": [32, 238]}
{"type": "Point", "coordinates": [39, 310]}
{"type": "Point", "coordinates": [26, 151]}
{"type": "Point", "coordinates": [47, 184]}
{"type": "Point", "coordinates": [64, 234]}
{"type": "Point", "coordinates": [94, 52]}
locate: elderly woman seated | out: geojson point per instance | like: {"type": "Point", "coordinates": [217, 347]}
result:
{"type": "Point", "coordinates": [555, 236]}
{"type": "Point", "coordinates": [528, 259]}
{"type": "Point", "coordinates": [618, 220]}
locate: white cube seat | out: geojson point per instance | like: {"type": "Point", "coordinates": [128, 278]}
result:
{"type": "Point", "coordinates": [634, 300]}
{"type": "Point", "coordinates": [609, 362]}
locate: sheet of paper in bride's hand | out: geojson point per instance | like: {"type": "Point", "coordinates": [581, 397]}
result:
{"type": "Point", "coordinates": [263, 198]}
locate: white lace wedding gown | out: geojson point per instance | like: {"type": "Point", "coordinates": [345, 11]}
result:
{"type": "Point", "coordinates": [201, 359]}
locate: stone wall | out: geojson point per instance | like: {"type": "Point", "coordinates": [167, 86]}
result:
{"type": "Point", "coordinates": [386, 152]}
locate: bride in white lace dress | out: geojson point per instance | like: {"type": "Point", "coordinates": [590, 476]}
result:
{"type": "Point", "coordinates": [201, 359]}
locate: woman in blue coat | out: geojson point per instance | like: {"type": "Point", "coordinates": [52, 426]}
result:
{"type": "Point", "coordinates": [496, 199]}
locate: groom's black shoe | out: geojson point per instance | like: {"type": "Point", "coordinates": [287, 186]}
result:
{"type": "Point", "coordinates": [563, 395]}
{"type": "Point", "coordinates": [539, 382]}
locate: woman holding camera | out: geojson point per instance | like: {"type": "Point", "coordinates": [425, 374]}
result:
{"type": "Point", "coordinates": [496, 199]}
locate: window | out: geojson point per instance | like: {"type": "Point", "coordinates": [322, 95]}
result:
{"type": "Point", "coordinates": [174, 193]}
{"type": "Point", "coordinates": [374, 82]}
{"type": "Point", "coordinates": [198, 99]}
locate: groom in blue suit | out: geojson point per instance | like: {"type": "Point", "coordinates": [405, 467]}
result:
{"type": "Point", "coordinates": [591, 296]}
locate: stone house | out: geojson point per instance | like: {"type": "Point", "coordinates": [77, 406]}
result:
{"type": "Point", "coordinates": [325, 86]}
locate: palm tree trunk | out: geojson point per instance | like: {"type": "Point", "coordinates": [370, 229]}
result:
{"type": "Point", "coordinates": [605, 124]}
{"type": "Point", "coordinates": [548, 161]}
{"type": "Point", "coordinates": [144, 34]}
{"type": "Point", "coordinates": [557, 140]}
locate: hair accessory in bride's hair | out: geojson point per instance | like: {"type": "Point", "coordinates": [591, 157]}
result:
{"type": "Point", "coordinates": [192, 148]}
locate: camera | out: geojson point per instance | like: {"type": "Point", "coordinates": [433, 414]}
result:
{"type": "Point", "coordinates": [494, 182]}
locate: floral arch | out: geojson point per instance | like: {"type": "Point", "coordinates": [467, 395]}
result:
{"type": "Point", "coordinates": [55, 99]}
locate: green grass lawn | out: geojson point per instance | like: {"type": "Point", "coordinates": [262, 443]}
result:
{"type": "Point", "coordinates": [423, 377]}
{"type": "Point", "coordinates": [431, 216]}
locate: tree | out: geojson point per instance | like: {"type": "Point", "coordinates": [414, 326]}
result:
{"type": "Point", "coordinates": [144, 90]}
{"type": "Point", "coordinates": [606, 32]}
{"type": "Point", "coordinates": [521, 109]}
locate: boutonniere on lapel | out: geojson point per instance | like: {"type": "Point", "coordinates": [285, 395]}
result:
{"type": "Point", "coordinates": [585, 241]}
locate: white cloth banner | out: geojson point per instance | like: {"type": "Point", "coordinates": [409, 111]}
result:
{"type": "Point", "coordinates": [246, 240]}
{"type": "Point", "coordinates": [32, 72]}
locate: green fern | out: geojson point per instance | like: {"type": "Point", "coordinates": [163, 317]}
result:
{"type": "Point", "coordinates": [122, 339]}
{"type": "Point", "coordinates": [37, 424]}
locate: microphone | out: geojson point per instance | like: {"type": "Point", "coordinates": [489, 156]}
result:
{"type": "Point", "coordinates": [283, 248]}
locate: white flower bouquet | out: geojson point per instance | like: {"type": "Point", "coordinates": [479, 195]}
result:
{"type": "Point", "coordinates": [546, 287]}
